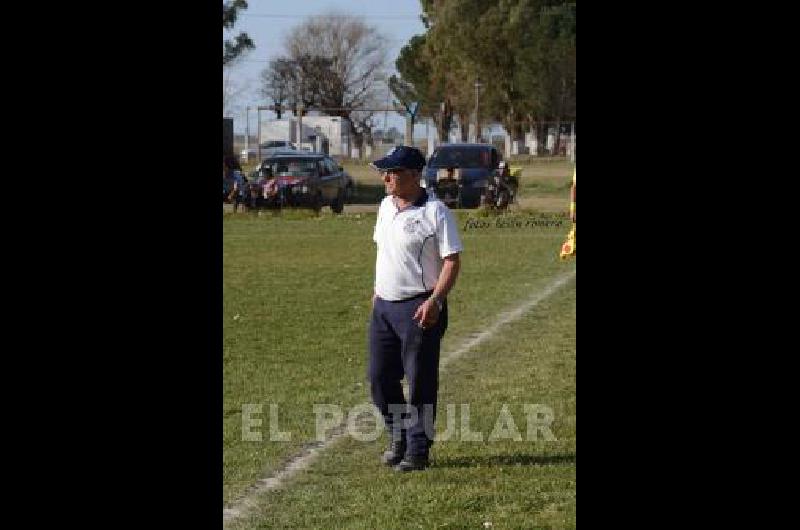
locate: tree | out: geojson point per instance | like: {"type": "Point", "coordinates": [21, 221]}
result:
{"type": "Point", "coordinates": [278, 83]}
{"type": "Point", "coordinates": [419, 81]}
{"type": "Point", "coordinates": [232, 91]}
{"type": "Point", "coordinates": [453, 69]}
{"type": "Point", "coordinates": [409, 103]}
{"type": "Point", "coordinates": [363, 123]}
{"type": "Point", "coordinates": [523, 51]}
{"type": "Point", "coordinates": [548, 73]}
{"type": "Point", "coordinates": [233, 48]}
{"type": "Point", "coordinates": [317, 84]}
{"type": "Point", "coordinates": [339, 61]}
{"type": "Point", "coordinates": [349, 54]}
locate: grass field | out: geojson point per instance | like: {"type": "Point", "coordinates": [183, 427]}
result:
{"type": "Point", "coordinates": [510, 484]}
{"type": "Point", "coordinates": [296, 304]}
{"type": "Point", "coordinates": [544, 185]}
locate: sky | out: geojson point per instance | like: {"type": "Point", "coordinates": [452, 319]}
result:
{"type": "Point", "coordinates": [268, 22]}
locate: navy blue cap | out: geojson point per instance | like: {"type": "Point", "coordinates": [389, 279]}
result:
{"type": "Point", "coordinates": [401, 156]}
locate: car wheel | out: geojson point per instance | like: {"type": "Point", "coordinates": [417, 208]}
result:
{"type": "Point", "coordinates": [316, 202]}
{"type": "Point", "coordinates": [338, 204]}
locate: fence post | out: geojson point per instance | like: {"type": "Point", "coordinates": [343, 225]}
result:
{"type": "Point", "coordinates": [533, 144]}
{"type": "Point", "coordinates": [300, 126]}
{"type": "Point", "coordinates": [572, 144]}
{"type": "Point", "coordinates": [431, 138]}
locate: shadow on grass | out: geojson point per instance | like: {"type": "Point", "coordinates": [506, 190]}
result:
{"type": "Point", "coordinates": [505, 460]}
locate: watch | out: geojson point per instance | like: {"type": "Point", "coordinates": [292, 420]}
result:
{"type": "Point", "coordinates": [437, 301]}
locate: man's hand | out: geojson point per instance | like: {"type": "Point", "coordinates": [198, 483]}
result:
{"type": "Point", "coordinates": [427, 314]}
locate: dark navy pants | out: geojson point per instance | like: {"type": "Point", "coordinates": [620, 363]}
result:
{"type": "Point", "coordinates": [398, 347]}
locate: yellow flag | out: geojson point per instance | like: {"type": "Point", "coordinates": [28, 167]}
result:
{"type": "Point", "coordinates": [568, 248]}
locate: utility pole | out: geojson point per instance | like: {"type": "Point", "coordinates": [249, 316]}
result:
{"type": "Point", "coordinates": [478, 86]}
{"type": "Point", "coordinates": [300, 126]}
{"type": "Point", "coordinates": [258, 148]}
{"type": "Point", "coordinates": [386, 112]}
{"type": "Point", "coordinates": [247, 134]}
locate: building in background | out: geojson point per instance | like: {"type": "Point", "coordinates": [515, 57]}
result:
{"type": "Point", "coordinates": [333, 130]}
{"type": "Point", "coordinates": [325, 134]}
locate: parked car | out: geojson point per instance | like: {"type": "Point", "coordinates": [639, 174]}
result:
{"type": "Point", "coordinates": [267, 149]}
{"type": "Point", "coordinates": [459, 174]}
{"type": "Point", "coordinates": [274, 146]}
{"type": "Point", "coordinates": [298, 178]}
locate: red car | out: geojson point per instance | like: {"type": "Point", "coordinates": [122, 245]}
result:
{"type": "Point", "coordinates": [295, 178]}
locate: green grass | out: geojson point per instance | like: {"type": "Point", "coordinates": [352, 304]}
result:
{"type": "Point", "coordinates": [296, 305]}
{"type": "Point", "coordinates": [546, 179]}
{"type": "Point", "coordinates": [512, 484]}
{"type": "Point", "coordinates": [296, 293]}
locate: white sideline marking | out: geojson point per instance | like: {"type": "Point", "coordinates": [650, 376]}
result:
{"type": "Point", "coordinates": [506, 318]}
{"type": "Point", "coordinates": [304, 458]}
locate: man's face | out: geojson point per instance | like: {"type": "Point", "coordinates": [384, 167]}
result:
{"type": "Point", "coordinates": [400, 181]}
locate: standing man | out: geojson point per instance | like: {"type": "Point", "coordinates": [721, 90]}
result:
{"type": "Point", "coordinates": [417, 265]}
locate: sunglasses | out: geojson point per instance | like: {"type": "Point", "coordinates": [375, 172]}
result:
{"type": "Point", "coordinates": [396, 171]}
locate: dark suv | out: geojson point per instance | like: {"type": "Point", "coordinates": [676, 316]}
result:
{"type": "Point", "coordinates": [296, 178]}
{"type": "Point", "coordinates": [459, 174]}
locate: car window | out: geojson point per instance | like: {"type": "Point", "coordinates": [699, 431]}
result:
{"type": "Point", "coordinates": [460, 157]}
{"type": "Point", "coordinates": [292, 167]}
{"type": "Point", "coordinates": [332, 167]}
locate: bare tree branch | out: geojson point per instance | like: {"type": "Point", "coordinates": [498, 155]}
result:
{"type": "Point", "coordinates": [340, 60]}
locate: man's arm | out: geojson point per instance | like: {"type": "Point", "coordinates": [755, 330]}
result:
{"type": "Point", "coordinates": [447, 278]}
{"type": "Point", "coordinates": [428, 313]}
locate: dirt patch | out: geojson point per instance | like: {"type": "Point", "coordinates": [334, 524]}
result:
{"type": "Point", "coordinates": [360, 208]}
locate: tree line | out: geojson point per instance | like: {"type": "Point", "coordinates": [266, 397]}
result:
{"type": "Point", "coordinates": [236, 46]}
{"type": "Point", "coordinates": [521, 52]}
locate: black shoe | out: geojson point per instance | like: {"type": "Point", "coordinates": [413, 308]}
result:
{"type": "Point", "coordinates": [394, 454]}
{"type": "Point", "coordinates": [412, 463]}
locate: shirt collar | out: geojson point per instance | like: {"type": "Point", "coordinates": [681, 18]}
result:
{"type": "Point", "coordinates": [421, 200]}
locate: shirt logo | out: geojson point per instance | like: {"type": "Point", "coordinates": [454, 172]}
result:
{"type": "Point", "coordinates": [411, 225]}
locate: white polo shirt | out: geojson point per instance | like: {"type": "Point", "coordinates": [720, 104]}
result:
{"type": "Point", "coordinates": [412, 245]}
